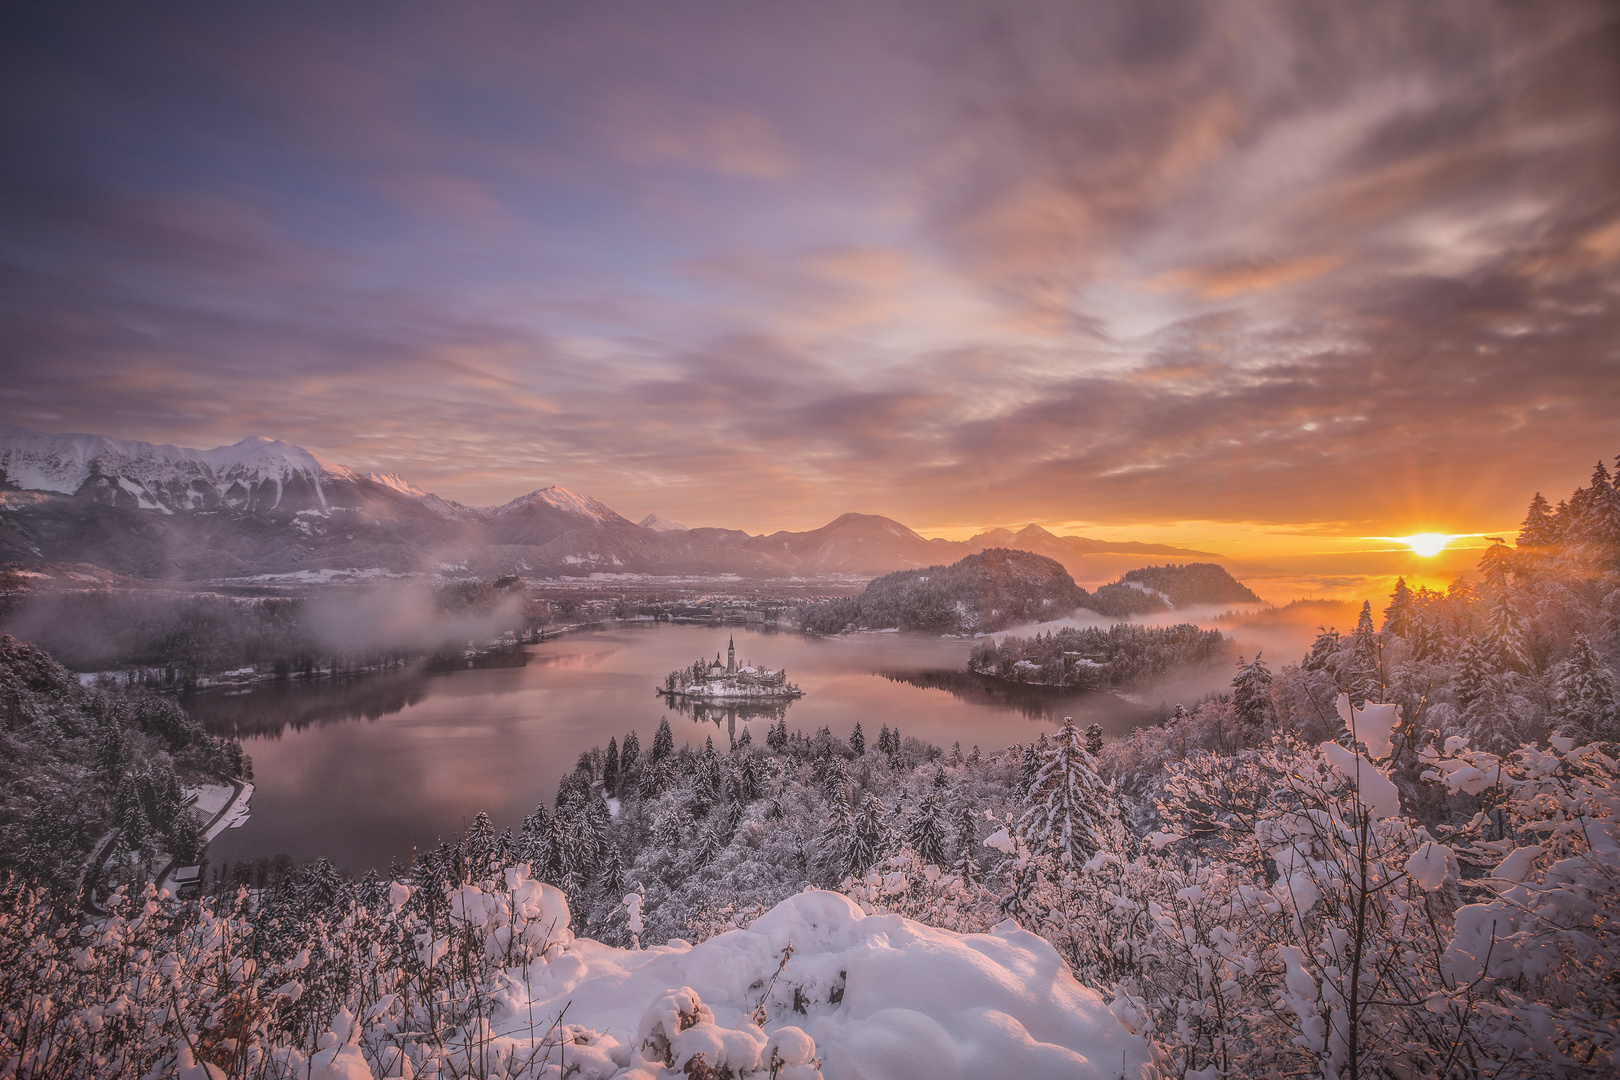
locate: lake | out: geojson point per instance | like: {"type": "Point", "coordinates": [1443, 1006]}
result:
{"type": "Point", "coordinates": [364, 771]}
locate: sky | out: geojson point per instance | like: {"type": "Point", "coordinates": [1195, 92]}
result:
{"type": "Point", "coordinates": [1259, 277]}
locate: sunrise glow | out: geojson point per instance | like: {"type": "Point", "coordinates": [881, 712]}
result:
{"type": "Point", "coordinates": [1427, 545]}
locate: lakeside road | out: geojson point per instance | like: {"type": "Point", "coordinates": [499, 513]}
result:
{"type": "Point", "coordinates": [232, 814]}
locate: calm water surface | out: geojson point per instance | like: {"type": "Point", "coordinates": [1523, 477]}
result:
{"type": "Point", "coordinates": [364, 771]}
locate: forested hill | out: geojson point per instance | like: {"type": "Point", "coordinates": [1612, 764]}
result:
{"type": "Point", "coordinates": [76, 762]}
{"type": "Point", "coordinates": [992, 590]}
{"type": "Point", "coordinates": [1164, 588]}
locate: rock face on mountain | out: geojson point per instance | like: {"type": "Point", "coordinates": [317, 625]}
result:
{"type": "Point", "coordinates": [265, 507]}
{"type": "Point", "coordinates": [989, 591]}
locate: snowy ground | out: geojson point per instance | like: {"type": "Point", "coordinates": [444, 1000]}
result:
{"type": "Point", "coordinates": [879, 997]}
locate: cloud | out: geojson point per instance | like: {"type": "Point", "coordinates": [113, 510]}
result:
{"type": "Point", "coordinates": [1117, 263]}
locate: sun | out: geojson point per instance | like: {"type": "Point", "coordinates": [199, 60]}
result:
{"type": "Point", "coordinates": [1427, 545]}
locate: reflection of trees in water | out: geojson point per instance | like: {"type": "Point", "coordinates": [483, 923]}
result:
{"type": "Point", "coordinates": [1112, 712]}
{"type": "Point", "coordinates": [274, 707]}
{"type": "Point", "coordinates": [729, 715]}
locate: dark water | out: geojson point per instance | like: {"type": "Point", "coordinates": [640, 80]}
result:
{"type": "Point", "coordinates": [365, 771]}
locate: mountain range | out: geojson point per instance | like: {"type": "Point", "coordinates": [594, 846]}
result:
{"type": "Point", "coordinates": [265, 507]}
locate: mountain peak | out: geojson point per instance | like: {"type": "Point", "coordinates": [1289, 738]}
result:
{"type": "Point", "coordinates": [658, 524]}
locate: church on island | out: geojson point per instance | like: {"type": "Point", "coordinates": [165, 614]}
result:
{"type": "Point", "coordinates": [704, 681]}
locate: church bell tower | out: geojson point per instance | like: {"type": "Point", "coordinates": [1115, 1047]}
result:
{"type": "Point", "coordinates": [731, 656]}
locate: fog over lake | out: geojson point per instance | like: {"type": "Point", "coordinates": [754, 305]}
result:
{"type": "Point", "coordinates": [366, 770]}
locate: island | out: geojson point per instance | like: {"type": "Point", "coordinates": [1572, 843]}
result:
{"type": "Point", "coordinates": [715, 682]}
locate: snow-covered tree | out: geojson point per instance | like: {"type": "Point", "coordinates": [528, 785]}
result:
{"type": "Point", "coordinates": [925, 831]}
{"type": "Point", "coordinates": [1066, 802]}
{"type": "Point", "coordinates": [1588, 695]}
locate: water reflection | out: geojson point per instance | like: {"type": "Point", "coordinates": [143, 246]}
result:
{"type": "Point", "coordinates": [1115, 715]}
{"type": "Point", "coordinates": [362, 771]}
{"type": "Point", "coordinates": [725, 717]}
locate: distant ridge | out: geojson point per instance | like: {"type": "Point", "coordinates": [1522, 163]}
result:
{"type": "Point", "coordinates": [263, 508]}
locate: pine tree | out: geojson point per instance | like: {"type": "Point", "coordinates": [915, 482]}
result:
{"type": "Point", "coordinates": [745, 740]}
{"type": "Point", "coordinates": [612, 876]}
{"type": "Point", "coordinates": [747, 780]}
{"type": "Point", "coordinates": [1506, 630]}
{"type": "Point", "coordinates": [1323, 650]}
{"type": "Point", "coordinates": [837, 836]}
{"type": "Point", "coordinates": [1496, 564]}
{"type": "Point", "coordinates": [110, 752]}
{"type": "Point", "coordinates": [1364, 678]}
{"type": "Point", "coordinates": [1251, 692]}
{"type": "Point", "coordinates": [1588, 695]}
{"type": "Point", "coordinates": [610, 768]}
{"type": "Point", "coordinates": [857, 740]}
{"type": "Point", "coordinates": [1094, 737]}
{"type": "Point", "coordinates": [1469, 673]}
{"type": "Point", "coordinates": [883, 744]}
{"type": "Point", "coordinates": [629, 757]}
{"type": "Point", "coordinates": [1398, 615]}
{"type": "Point", "coordinates": [926, 830]}
{"type": "Point", "coordinates": [481, 846]}
{"type": "Point", "coordinates": [1066, 803]}
{"type": "Point", "coordinates": [966, 865]}
{"type": "Point", "coordinates": [1599, 527]}
{"type": "Point", "coordinates": [777, 737]}
{"type": "Point", "coordinates": [871, 840]}
{"type": "Point", "coordinates": [663, 742]}
{"type": "Point", "coordinates": [709, 845]}
{"type": "Point", "coordinates": [1539, 528]}
{"type": "Point", "coordinates": [129, 815]}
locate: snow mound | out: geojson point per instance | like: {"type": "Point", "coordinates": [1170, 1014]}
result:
{"type": "Point", "coordinates": [867, 997]}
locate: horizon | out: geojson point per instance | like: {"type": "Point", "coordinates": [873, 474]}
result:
{"type": "Point", "coordinates": [1243, 279]}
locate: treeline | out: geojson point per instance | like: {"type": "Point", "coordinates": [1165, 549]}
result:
{"type": "Point", "coordinates": [1122, 655]}
{"type": "Point", "coordinates": [78, 763]}
{"type": "Point", "coordinates": [992, 590]}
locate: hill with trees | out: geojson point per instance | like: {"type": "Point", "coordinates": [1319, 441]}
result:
{"type": "Point", "coordinates": [1152, 589]}
{"type": "Point", "coordinates": [988, 591]}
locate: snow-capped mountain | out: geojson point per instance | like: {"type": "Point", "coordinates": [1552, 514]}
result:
{"type": "Point", "coordinates": [262, 506]}
{"type": "Point", "coordinates": [256, 473]}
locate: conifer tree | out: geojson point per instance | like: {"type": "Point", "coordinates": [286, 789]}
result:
{"type": "Point", "coordinates": [836, 836]}
{"type": "Point", "coordinates": [629, 756]}
{"type": "Point", "coordinates": [1588, 695]}
{"type": "Point", "coordinates": [857, 740]}
{"type": "Point", "coordinates": [1469, 674]}
{"type": "Point", "coordinates": [612, 876]}
{"type": "Point", "coordinates": [777, 737]}
{"type": "Point", "coordinates": [1363, 674]}
{"type": "Point", "coordinates": [966, 865]}
{"type": "Point", "coordinates": [1066, 802]}
{"type": "Point", "coordinates": [1398, 615]}
{"type": "Point", "coordinates": [883, 744]}
{"type": "Point", "coordinates": [610, 768]}
{"type": "Point", "coordinates": [1539, 528]}
{"type": "Point", "coordinates": [709, 844]}
{"type": "Point", "coordinates": [745, 740]}
{"type": "Point", "coordinates": [663, 742]}
{"type": "Point", "coordinates": [1094, 737]}
{"type": "Point", "coordinates": [1251, 692]}
{"type": "Point", "coordinates": [110, 752]}
{"type": "Point", "coordinates": [926, 830]}
{"type": "Point", "coordinates": [870, 840]}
